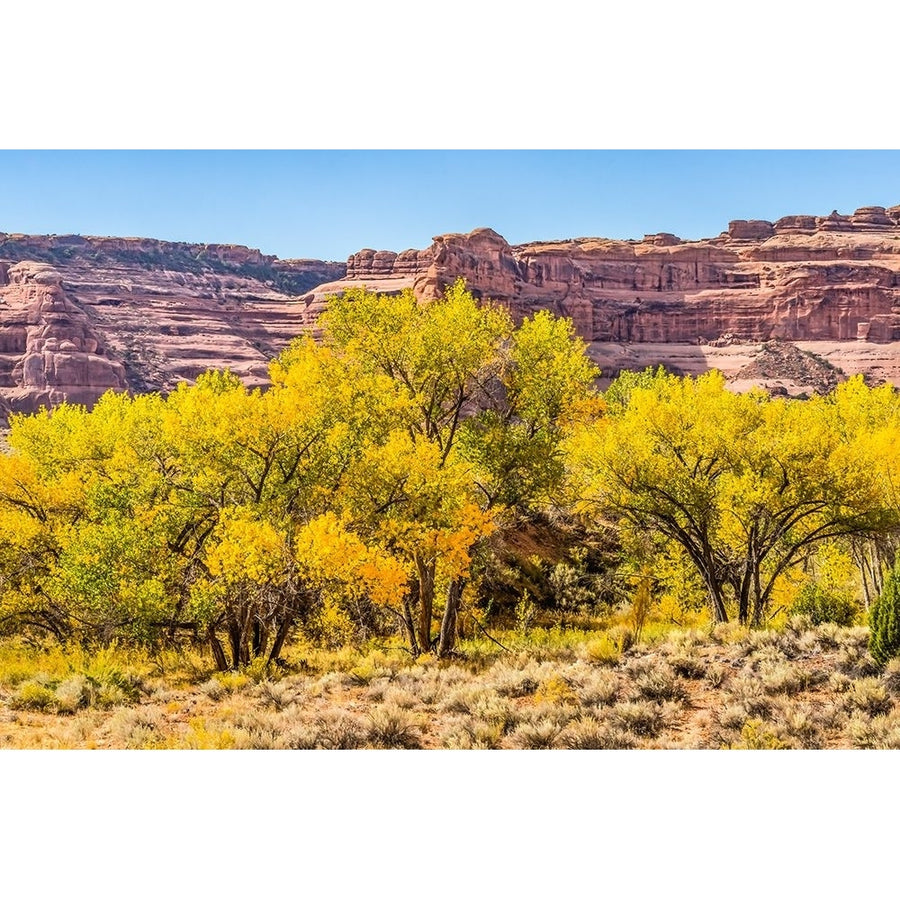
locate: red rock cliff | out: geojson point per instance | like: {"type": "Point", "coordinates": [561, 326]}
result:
{"type": "Point", "coordinates": [80, 315]}
{"type": "Point", "coordinates": [802, 278]}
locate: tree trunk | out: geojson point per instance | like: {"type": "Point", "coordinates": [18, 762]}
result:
{"type": "Point", "coordinates": [260, 638]}
{"type": "Point", "coordinates": [218, 651]}
{"type": "Point", "coordinates": [280, 637]}
{"type": "Point", "coordinates": [760, 599]}
{"type": "Point", "coordinates": [714, 590]}
{"type": "Point", "coordinates": [409, 602]}
{"type": "Point", "coordinates": [451, 610]}
{"type": "Point", "coordinates": [426, 602]}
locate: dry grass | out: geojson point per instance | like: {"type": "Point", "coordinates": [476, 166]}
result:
{"type": "Point", "coordinates": [801, 687]}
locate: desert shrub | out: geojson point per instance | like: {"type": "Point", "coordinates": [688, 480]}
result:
{"type": "Point", "coordinates": [589, 734]}
{"type": "Point", "coordinates": [869, 696]}
{"type": "Point", "coordinates": [891, 676]}
{"type": "Point", "coordinates": [847, 659]}
{"type": "Point", "coordinates": [819, 605]}
{"type": "Point", "coordinates": [214, 736]}
{"type": "Point", "coordinates": [73, 694]}
{"type": "Point", "coordinates": [277, 694]}
{"type": "Point", "coordinates": [464, 697]}
{"type": "Point", "coordinates": [300, 735]}
{"type": "Point", "coordinates": [798, 624]}
{"type": "Point", "coordinates": [600, 688]}
{"type": "Point", "coordinates": [105, 695]}
{"type": "Point", "coordinates": [482, 704]}
{"type": "Point", "coordinates": [855, 660]}
{"type": "Point", "coordinates": [756, 735]}
{"type": "Point", "coordinates": [602, 651]}
{"type": "Point", "coordinates": [339, 730]}
{"type": "Point", "coordinates": [808, 643]}
{"type": "Point", "coordinates": [882, 733]}
{"type": "Point", "coordinates": [728, 633]}
{"type": "Point", "coordinates": [767, 655]}
{"type": "Point", "coordinates": [555, 690]}
{"type": "Point", "coordinates": [433, 685]}
{"type": "Point", "coordinates": [232, 682]}
{"type": "Point", "coordinates": [717, 674]}
{"type": "Point", "coordinates": [857, 637]}
{"type": "Point", "coordinates": [748, 691]}
{"type": "Point", "coordinates": [539, 735]}
{"type": "Point", "coordinates": [639, 665]}
{"type": "Point", "coordinates": [369, 670]}
{"type": "Point", "coordinates": [257, 729]}
{"type": "Point", "coordinates": [561, 713]}
{"type": "Point", "coordinates": [33, 695]}
{"type": "Point", "coordinates": [260, 669]}
{"type": "Point", "coordinates": [392, 727]}
{"type": "Point", "coordinates": [884, 621]}
{"type": "Point", "coordinates": [639, 717]}
{"type": "Point", "coordinates": [839, 682]}
{"type": "Point", "coordinates": [760, 640]}
{"type": "Point", "coordinates": [688, 664]}
{"type": "Point", "coordinates": [108, 680]}
{"type": "Point", "coordinates": [214, 689]}
{"type": "Point", "coordinates": [401, 697]}
{"type": "Point", "coordinates": [257, 740]}
{"type": "Point", "coordinates": [137, 728]}
{"type": "Point", "coordinates": [509, 681]}
{"type": "Point", "coordinates": [688, 639]}
{"type": "Point", "coordinates": [867, 665]}
{"type": "Point", "coordinates": [782, 678]}
{"type": "Point", "coordinates": [733, 716]}
{"type": "Point", "coordinates": [659, 683]}
{"type": "Point", "coordinates": [376, 689]}
{"type": "Point", "coordinates": [800, 724]}
{"type": "Point", "coordinates": [331, 681]}
{"type": "Point", "coordinates": [829, 634]}
{"type": "Point", "coordinates": [622, 636]}
{"type": "Point", "coordinates": [472, 735]}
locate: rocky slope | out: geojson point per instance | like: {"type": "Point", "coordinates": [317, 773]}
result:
{"type": "Point", "coordinates": [831, 281]}
{"type": "Point", "coordinates": [80, 315]}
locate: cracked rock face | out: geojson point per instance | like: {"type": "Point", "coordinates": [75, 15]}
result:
{"type": "Point", "coordinates": [803, 278]}
{"type": "Point", "coordinates": [80, 316]}
{"type": "Point", "coordinates": [830, 283]}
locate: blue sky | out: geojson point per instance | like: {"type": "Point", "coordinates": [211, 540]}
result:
{"type": "Point", "coordinates": [328, 204]}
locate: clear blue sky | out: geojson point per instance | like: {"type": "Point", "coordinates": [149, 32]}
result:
{"type": "Point", "coordinates": [328, 204]}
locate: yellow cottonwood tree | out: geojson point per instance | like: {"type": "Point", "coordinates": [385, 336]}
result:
{"type": "Point", "coordinates": [747, 485]}
{"type": "Point", "coordinates": [473, 411]}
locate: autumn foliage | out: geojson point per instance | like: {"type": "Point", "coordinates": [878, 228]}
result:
{"type": "Point", "coordinates": [351, 496]}
{"type": "Point", "coordinates": [379, 484]}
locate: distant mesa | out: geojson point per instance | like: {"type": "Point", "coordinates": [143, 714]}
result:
{"type": "Point", "coordinates": [80, 315]}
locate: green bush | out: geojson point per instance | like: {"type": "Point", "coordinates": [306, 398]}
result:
{"type": "Point", "coordinates": [821, 606]}
{"type": "Point", "coordinates": [884, 621]}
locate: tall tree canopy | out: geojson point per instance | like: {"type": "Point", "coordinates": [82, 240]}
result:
{"type": "Point", "coordinates": [745, 484]}
{"type": "Point", "coordinates": [361, 484]}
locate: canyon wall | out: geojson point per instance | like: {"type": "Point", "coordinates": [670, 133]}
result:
{"type": "Point", "coordinates": [802, 278]}
{"type": "Point", "coordinates": [82, 315]}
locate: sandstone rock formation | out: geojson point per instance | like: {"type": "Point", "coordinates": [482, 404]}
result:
{"type": "Point", "coordinates": [81, 315]}
{"type": "Point", "coordinates": [801, 278]}
{"type": "Point", "coordinates": [806, 279]}
{"type": "Point", "coordinates": [55, 353]}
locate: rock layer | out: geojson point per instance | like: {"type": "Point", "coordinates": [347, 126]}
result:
{"type": "Point", "coordinates": [81, 315]}
{"type": "Point", "coordinates": [803, 278]}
